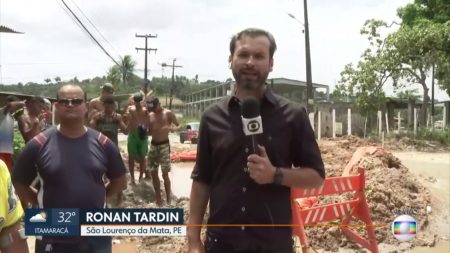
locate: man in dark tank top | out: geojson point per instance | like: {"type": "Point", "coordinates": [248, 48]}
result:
{"type": "Point", "coordinates": [109, 122]}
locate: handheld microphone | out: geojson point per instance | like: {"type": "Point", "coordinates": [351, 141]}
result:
{"type": "Point", "coordinates": [251, 120]}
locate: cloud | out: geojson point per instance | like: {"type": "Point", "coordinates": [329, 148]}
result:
{"type": "Point", "coordinates": [38, 218]}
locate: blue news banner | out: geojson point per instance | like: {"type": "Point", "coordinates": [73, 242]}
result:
{"type": "Point", "coordinates": [105, 222]}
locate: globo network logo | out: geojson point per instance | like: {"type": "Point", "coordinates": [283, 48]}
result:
{"type": "Point", "coordinates": [404, 228]}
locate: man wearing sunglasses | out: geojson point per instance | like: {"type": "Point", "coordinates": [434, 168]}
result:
{"type": "Point", "coordinates": [71, 160]}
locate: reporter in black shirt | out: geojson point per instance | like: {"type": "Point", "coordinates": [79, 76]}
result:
{"type": "Point", "coordinates": [245, 188]}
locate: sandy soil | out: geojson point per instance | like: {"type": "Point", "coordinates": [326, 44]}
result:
{"type": "Point", "coordinates": [390, 185]}
{"type": "Point", "coordinates": [408, 179]}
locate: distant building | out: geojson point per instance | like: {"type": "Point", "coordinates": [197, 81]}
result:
{"type": "Point", "coordinates": [293, 90]}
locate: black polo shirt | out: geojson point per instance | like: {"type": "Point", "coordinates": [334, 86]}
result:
{"type": "Point", "coordinates": [221, 164]}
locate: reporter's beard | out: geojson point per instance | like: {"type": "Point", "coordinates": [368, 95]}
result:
{"type": "Point", "coordinates": [250, 84]}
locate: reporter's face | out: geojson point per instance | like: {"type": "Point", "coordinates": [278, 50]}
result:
{"type": "Point", "coordinates": [251, 62]}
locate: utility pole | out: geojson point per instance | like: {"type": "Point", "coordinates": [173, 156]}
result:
{"type": "Point", "coordinates": [146, 49]}
{"type": "Point", "coordinates": [432, 97]}
{"type": "Point", "coordinates": [432, 91]}
{"type": "Point", "coordinates": [309, 87]}
{"type": "Point", "coordinates": [173, 78]}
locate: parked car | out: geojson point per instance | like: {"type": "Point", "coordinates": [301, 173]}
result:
{"type": "Point", "coordinates": [190, 132]}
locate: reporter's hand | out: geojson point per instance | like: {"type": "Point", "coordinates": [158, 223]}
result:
{"type": "Point", "coordinates": [260, 168]}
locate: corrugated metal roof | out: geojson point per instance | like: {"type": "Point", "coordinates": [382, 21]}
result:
{"type": "Point", "coordinates": [4, 29]}
{"type": "Point", "coordinates": [22, 96]}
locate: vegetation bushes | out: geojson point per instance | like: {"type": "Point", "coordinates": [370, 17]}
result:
{"type": "Point", "coordinates": [19, 144]}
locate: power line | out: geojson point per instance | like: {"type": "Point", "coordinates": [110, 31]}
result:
{"type": "Point", "coordinates": [90, 22]}
{"type": "Point", "coordinates": [73, 19]}
{"type": "Point", "coordinates": [68, 14]}
{"type": "Point", "coordinates": [90, 34]}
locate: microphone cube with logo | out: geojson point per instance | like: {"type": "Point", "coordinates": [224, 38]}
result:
{"type": "Point", "coordinates": [251, 118]}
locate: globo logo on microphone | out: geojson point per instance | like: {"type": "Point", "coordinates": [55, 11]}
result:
{"type": "Point", "coordinates": [253, 126]}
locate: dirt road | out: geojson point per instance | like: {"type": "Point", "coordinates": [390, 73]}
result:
{"type": "Point", "coordinates": [433, 170]}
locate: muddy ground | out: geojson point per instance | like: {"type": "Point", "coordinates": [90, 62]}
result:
{"type": "Point", "coordinates": [390, 186]}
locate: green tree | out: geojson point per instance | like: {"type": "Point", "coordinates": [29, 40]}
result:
{"type": "Point", "coordinates": [365, 81]}
{"type": "Point", "coordinates": [114, 76]}
{"type": "Point", "coordinates": [405, 57]}
{"type": "Point", "coordinates": [160, 86]}
{"type": "Point", "coordinates": [126, 67]}
{"type": "Point", "coordinates": [437, 11]}
{"type": "Point", "coordinates": [413, 94]}
{"type": "Point", "coordinates": [340, 94]}
{"type": "Point", "coordinates": [432, 16]}
{"type": "Point", "coordinates": [415, 50]}
{"type": "Point", "coordinates": [48, 80]}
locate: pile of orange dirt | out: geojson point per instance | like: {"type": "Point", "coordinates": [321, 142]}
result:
{"type": "Point", "coordinates": [183, 156]}
{"type": "Point", "coordinates": [390, 186]}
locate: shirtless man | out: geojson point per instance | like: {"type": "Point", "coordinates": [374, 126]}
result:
{"type": "Point", "coordinates": [30, 125]}
{"type": "Point", "coordinates": [137, 136]}
{"type": "Point", "coordinates": [96, 104]}
{"type": "Point", "coordinates": [161, 122]}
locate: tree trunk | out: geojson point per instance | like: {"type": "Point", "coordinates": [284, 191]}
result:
{"type": "Point", "coordinates": [423, 110]}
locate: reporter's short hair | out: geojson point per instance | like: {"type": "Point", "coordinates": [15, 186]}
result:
{"type": "Point", "coordinates": [254, 32]}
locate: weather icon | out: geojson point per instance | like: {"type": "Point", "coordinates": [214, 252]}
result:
{"type": "Point", "coordinates": [40, 217]}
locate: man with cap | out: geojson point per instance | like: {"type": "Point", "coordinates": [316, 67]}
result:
{"type": "Point", "coordinates": [137, 136]}
{"type": "Point", "coordinates": [161, 122]}
{"type": "Point", "coordinates": [96, 104]}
